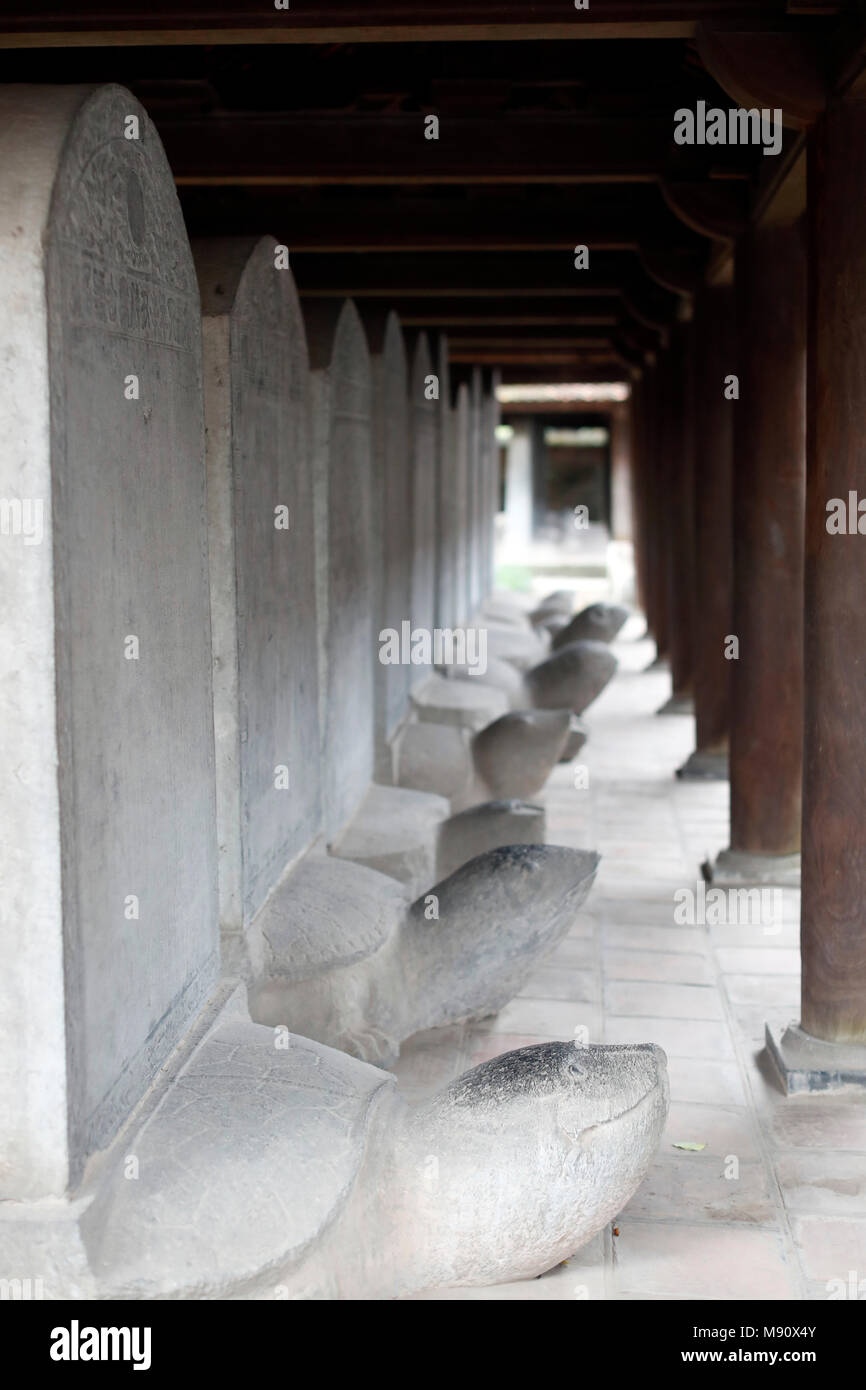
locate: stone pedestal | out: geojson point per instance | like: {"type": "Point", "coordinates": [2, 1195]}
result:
{"type": "Point", "coordinates": [678, 704]}
{"type": "Point", "coordinates": [705, 765]}
{"type": "Point", "coordinates": [803, 1063]}
{"type": "Point", "coordinates": [737, 869]}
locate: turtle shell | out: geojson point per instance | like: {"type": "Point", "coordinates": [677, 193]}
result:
{"type": "Point", "coordinates": [250, 1155]}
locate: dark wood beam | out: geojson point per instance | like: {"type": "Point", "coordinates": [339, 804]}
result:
{"type": "Point", "coordinates": [318, 148]}
{"type": "Point", "coordinates": [605, 218]}
{"type": "Point", "coordinates": [499, 357]}
{"type": "Point", "coordinates": [545, 339]}
{"type": "Point", "coordinates": [595, 409]}
{"type": "Point", "coordinates": [452, 313]}
{"type": "Point", "coordinates": [527, 374]}
{"type": "Point", "coordinates": [101, 22]}
{"type": "Point", "coordinates": [402, 275]}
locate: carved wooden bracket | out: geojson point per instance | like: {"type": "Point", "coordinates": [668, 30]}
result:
{"type": "Point", "coordinates": [766, 70]}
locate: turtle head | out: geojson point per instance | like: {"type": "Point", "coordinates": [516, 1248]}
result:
{"type": "Point", "coordinates": [495, 916]}
{"type": "Point", "coordinates": [538, 1149]}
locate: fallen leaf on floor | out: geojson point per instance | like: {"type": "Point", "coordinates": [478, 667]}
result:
{"type": "Point", "coordinates": [687, 1144]}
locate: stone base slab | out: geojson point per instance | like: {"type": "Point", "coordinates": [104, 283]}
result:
{"type": "Point", "coordinates": [395, 832]}
{"type": "Point", "coordinates": [704, 767]}
{"type": "Point", "coordinates": [485, 827]}
{"type": "Point", "coordinates": [804, 1063]}
{"type": "Point", "coordinates": [678, 704]}
{"type": "Point", "coordinates": [467, 706]}
{"type": "Point", "coordinates": [435, 758]}
{"type": "Point", "coordinates": [735, 869]}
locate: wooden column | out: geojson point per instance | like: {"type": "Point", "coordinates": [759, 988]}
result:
{"type": "Point", "coordinates": [621, 517]}
{"type": "Point", "coordinates": [768, 508]}
{"type": "Point", "coordinates": [638, 425]}
{"type": "Point", "coordinates": [834, 782]}
{"type": "Point", "coordinates": [657, 539]}
{"type": "Point", "coordinates": [677, 464]}
{"type": "Point", "coordinates": [713, 413]}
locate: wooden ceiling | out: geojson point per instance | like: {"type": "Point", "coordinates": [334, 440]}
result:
{"type": "Point", "coordinates": [555, 130]}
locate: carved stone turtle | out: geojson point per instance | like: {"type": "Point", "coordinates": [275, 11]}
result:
{"type": "Point", "coordinates": [573, 676]}
{"type": "Point", "coordinates": [340, 955]}
{"type": "Point", "coordinates": [277, 1168]}
{"type": "Point", "coordinates": [600, 622]}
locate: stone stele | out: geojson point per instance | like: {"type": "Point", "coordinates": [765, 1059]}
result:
{"type": "Point", "coordinates": [109, 946]}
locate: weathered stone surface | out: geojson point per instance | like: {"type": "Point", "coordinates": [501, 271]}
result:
{"type": "Point", "coordinates": [395, 832]}
{"type": "Point", "coordinates": [251, 1153]}
{"type": "Point", "coordinates": [575, 739]}
{"type": "Point", "coordinates": [572, 677]}
{"type": "Point", "coordinates": [600, 622]}
{"type": "Point", "coordinates": [341, 410]}
{"type": "Point", "coordinates": [450, 516]}
{"type": "Point", "coordinates": [490, 484]}
{"type": "Point", "coordinates": [391, 518]}
{"type": "Point", "coordinates": [469, 704]}
{"type": "Point", "coordinates": [435, 758]}
{"type": "Point", "coordinates": [361, 981]}
{"type": "Point", "coordinates": [326, 915]}
{"type": "Point", "coordinates": [461, 435]}
{"type": "Point", "coordinates": [423, 407]}
{"type": "Point", "coordinates": [484, 827]}
{"type": "Point", "coordinates": [498, 1177]}
{"type": "Point", "coordinates": [105, 951]}
{"type": "Point", "coordinates": [262, 579]}
{"type": "Point", "coordinates": [509, 643]}
{"type": "Point", "coordinates": [475, 508]}
{"type": "Point", "coordinates": [515, 755]}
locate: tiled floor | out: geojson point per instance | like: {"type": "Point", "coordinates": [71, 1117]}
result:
{"type": "Point", "coordinates": [774, 1205]}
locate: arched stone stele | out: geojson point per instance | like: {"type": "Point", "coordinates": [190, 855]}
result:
{"type": "Point", "coordinates": [260, 512]}
{"type": "Point", "coordinates": [108, 822]}
{"type": "Point", "coordinates": [341, 406]}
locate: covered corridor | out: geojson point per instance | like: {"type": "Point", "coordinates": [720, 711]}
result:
{"type": "Point", "coordinates": [432, 836]}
